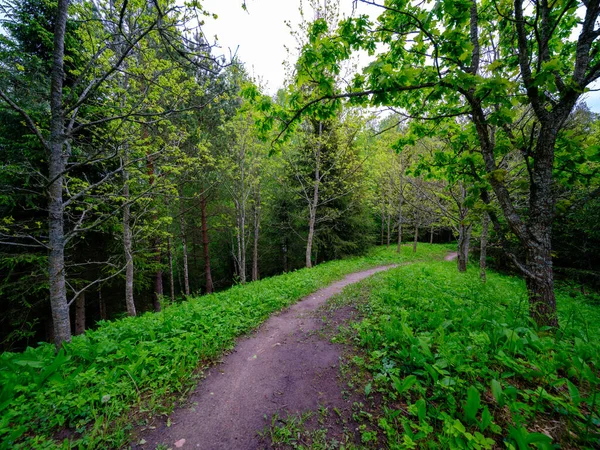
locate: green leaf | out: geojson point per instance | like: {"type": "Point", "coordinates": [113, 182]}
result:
{"type": "Point", "coordinates": [406, 384]}
{"type": "Point", "coordinates": [473, 403]}
{"type": "Point", "coordinates": [486, 419]}
{"type": "Point", "coordinates": [497, 392]}
{"type": "Point", "coordinates": [421, 409]}
{"type": "Point", "coordinates": [574, 393]}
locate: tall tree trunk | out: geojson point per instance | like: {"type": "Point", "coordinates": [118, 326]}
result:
{"type": "Point", "coordinates": [205, 246]}
{"type": "Point", "coordinates": [540, 280]}
{"type": "Point", "coordinates": [171, 279]}
{"type": "Point", "coordinates": [57, 160]}
{"type": "Point", "coordinates": [464, 241]}
{"type": "Point", "coordinates": [389, 230]}
{"type": "Point", "coordinates": [158, 284]}
{"type": "Point", "coordinates": [400, 204]}
{"type": "Point", "coordinates": [311, 234]}
{"type": "Point", "coordinates": [540, 285]}
{"type": "Point", "coordinates": [194, 253]}
{"type": "Point", "coordinates": [382, 221]}
{"type": "Point", "coordinates": [158, 290]}
{"type": "Point", "coordinates": [417, 225]}
{"type": "Point", "coordinates": [102, 304]}
{"type": "Point", "coordinates": [241, 240]}
{"type": "Point", "coordinates": [312, 220]}
{"type": "Point", "coordinates": [284, 253]}
{"type": "Point", "coordinates": [256, 235]}
{"type": "Point", "coordinates": [431, 235]}
{"type": "Point", "coordinates": [80, 314]}
{"type": "Point", "coordinates": [186, 277]}
{"type": "Point", "coordinates": [127, 245]}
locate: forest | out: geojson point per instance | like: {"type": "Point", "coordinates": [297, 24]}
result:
{"type": "Point", "coordinates": [156, 202]}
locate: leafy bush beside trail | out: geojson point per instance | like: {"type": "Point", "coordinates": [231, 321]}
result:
{"type": "Point", "coordinates": [446, 361]}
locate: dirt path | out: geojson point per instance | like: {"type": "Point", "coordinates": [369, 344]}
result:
{"type": "Point", "coordinates": [451, 256]}
{"type": "Point", "coordinates": [282, 368]}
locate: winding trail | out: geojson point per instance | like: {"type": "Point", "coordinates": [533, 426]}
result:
{"type": "Point", "coordinates": [451, 256]}
{"type": "Point", "coordinates": [284, 367]}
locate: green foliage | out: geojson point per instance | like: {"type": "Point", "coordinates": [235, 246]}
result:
{"type": "Point", "coordinates": [134, 365]}
{"type": "Point", "coordinates": [459, 364]}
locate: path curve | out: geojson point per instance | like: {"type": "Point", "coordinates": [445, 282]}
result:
{"type": "Point", "coordinates": [282, 368]}
{"type": "Point", "coordinates": [451, 256]}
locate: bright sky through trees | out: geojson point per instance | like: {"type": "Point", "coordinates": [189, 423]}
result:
{"type": "Point", "coordinates": [260, 35]}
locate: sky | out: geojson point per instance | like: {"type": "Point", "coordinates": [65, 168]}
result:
{"type": "Point", "coordinates": [260, 35]}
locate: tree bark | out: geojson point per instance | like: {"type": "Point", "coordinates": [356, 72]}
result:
{"type": "Point", "coordinates": [158, 290]}
{"type": "Point", "coordinates": [315, 201]}
{"type": "Point", "coordinates": [256, 235]}
{"type": "Point", "coordinates": [80, 314]}
{"type": "Point", "coordinates": [389, 231]}
{"type": "Point", "coordinates": [485, 222]}
{"type": "Point", "coordinates": [127, 246]}
{"type": "Point", "coordinates": [158, 284]}
{"type": "Point", "coordinates": [431, 234]}
{"type": "Point", "coordinates": [102, 304]}
{"type": "Point", "coordinates": [464, 241]}
{"type": "Point", "coordinates": [416, 239]}
{"type": "Point", "coordinates": [284, 254]}
{"type": "Point", "coordinates": [205, 246]}
{"type": "Point", "coordinates": [57, 160]}
{"type": "Point", "coordinates": [186, 277]}
{"type": "Point", "coordinates": [400, 204]}
{"type": "Point", "coordinates": [382, 220]}
{"type": "Point", "coordinates": [171, 279]}
{"type": "Point", "coordinates": [241, 241]}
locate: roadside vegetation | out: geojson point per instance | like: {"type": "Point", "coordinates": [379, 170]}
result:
{"type": "Point", "coordinates": [104, 383]}
{"type": "Point", "coordinates": [441, 360]}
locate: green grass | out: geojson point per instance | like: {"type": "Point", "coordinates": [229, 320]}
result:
{"type": "Point", "coordinates": [105, 383]}
{"type": "Point", "coordinates": [445, 361]}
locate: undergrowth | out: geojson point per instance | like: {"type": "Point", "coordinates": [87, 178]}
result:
{"type": "Point", "coordinates": [98, 388]}
{"type": "Point", "coordinates": [445, 361]}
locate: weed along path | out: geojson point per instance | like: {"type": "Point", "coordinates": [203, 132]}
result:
{"type": "Point", "coordinates": [283, 367]}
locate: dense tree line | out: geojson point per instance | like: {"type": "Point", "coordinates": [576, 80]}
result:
{"type": "Point", "coordinates": [138, 167]}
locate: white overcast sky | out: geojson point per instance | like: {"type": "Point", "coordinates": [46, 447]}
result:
{"type": "Point", "coordinates": [260, 35]}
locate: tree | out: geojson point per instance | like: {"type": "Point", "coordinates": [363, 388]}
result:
{"type": "Point", "coordinates": [72, 113]}
{"type": "Point", "coordinates": [458, 59]}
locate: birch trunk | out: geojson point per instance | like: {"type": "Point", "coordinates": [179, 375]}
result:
{"type": "Point", "coordinates": [315, 201]}
{"type": "Point", "coordinates": [127, 246]}
{"type": "Point", "coordinates": [256, 235]}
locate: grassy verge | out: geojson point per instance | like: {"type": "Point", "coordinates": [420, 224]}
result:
{"type": "Point", "coordinates": [95, 391]}
{"type": "Point", "coordinates": [444, 361]}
